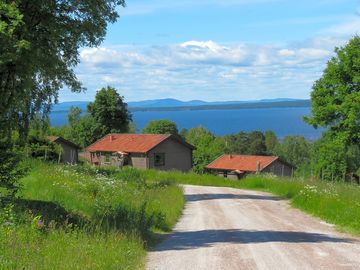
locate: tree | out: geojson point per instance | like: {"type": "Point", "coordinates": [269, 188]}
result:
{"type": "Point", "coordinates": [40, 43]}
{"type": "Point", "coordinates": [87, 131]}
{"type": "Point", "coordinates": [208, 147]}
{"type": "Point", "coordinates": [74, 116]}
{"type": "Point", "coordinates": [110, 111]}
{"type": "Point", "coordinates": [295, 150]}
{"type": "Point", "coordinates": [237, 143]}
{"type": "Point", "coordinates": [335, 97]}
{"type": "Point", "coordinates": [271, 142]}
{"type": "Point", "coordinates": [335, 100]}
{"type": "Point", "coordinates": [257, 143]}
{"type": "Point", "coordinates": [161, 127]}
{"type": "Point", "coordinates": [10, 171]}
{"type": "Point", "coordinates": [329, 158]}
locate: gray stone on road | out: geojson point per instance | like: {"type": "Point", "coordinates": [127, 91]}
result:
{"type": "Point", "coordinates": [225, 228]}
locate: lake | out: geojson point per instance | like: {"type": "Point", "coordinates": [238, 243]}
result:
{"type": "Point", "coordinates": [283, 121]}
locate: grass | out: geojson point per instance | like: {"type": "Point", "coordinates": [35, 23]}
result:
{"type": "Point", "coordinates": [333, 202]}
{"type": "Point", "coordinates": [80, 217]}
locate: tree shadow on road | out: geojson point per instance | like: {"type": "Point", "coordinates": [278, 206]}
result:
{"type": "Point", "coordinates": [219, 196]}
{"type": "Point", "coordinates": [207, 238]}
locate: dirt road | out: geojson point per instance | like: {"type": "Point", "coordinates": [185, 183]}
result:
{"type": "Point", "coordinates": [224, 228]}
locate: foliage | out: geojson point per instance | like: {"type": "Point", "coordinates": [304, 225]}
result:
{"type": "Point", "coordinates": [31, 243]}
{"type": "Point", "coordinates": [295, 150]}
{"type": "Point", "coordinates": [336, 95]}
{"type": "Point", "coordinates": [104, 215]}
{"type": "Point", "coordinates": [243, 143]}
{"type": "Point", "coordinates": [162, 126]}
{"type": "Point", "coordinates": [42, 148]}
{"type": "Point", "coordinates": [237, 143]}
{"type": "Point", "coordinates": [108, 114]}
{"type": "Point", "coordinates": [74, 116]}
{"type": "Point", "coordinates": [10, 170]}
{"type": "Point", "coordinates": [329, 158]}
{"type": "Point", "coordinates": [42, 41]}
{"type": "Point", "coordinates": [208, 147]}
{"type": "Point", "coordinates": [271, 142]}
{"type": "Point", "coordinates": [336, 105]}
{"type": "Point", "coordinates": [110, 111]}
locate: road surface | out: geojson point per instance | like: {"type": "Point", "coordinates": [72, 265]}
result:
{"type": "Point", "coordinates": [225, 228]}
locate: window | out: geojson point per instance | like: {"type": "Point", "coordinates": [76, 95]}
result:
{"type": "Point", "coordinates": [107, 157]}
{"type": "Point", "coordinates": [159, 159]}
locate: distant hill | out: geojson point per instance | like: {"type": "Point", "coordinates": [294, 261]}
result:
{"type": "Point", "coordinates": [169, 103]}
{"type": "Point", "coordinates": [65, 106]}
{"type": "Point", "coordinates": [230, 106]}
{"type": "Point", "coordinates": [166, 102]}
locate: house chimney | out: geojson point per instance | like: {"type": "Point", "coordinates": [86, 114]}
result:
{"type": "Point", "coordinates": [231, 156]}
{"type": "Point", "coordinates": [111, 138]}
{"type": "Point", "coordinates": [258, 166]}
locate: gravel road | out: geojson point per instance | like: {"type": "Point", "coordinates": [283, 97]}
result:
{"type": "Point", "coordinates": [225, 228]}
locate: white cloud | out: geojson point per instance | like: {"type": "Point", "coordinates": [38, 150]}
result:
{"type": "Point", "coordinates": [350, 27]}
{"type": "Point", "coordinates": [206, 69]}
{"type": "Point", "coordinates": [286, 52]}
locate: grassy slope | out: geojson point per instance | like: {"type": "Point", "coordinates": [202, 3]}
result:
{"type": "Point", "coordinates": [336, 203]}
{"type": "Point", "coordinates": [106, 217]}
{"type": "Point", "coordinates": [93, 219]}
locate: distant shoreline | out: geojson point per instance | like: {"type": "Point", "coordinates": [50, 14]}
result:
{"type": "Point", "coordinates": [257, 105]}
{"type": "Point", "coordinates": [235, 106]}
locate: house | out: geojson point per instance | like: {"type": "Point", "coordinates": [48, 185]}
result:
{"type": "Point", "coordinates": [69, 153]}
{"type": "Point", "coordinates": [237, 166]}
{"type": "Point", "coordinates": [159, 151]}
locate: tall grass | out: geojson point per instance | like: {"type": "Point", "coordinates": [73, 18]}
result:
{"type": "Point", "coordinates": [81, 217]}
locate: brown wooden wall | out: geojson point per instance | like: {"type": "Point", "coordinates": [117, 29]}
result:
{"type": "Point", "coordinates": [279, 168]}
{"type": "Point", "coordinates": [177, 156]}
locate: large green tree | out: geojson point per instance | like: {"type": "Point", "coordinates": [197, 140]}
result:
{"type": "Point", "coordinates": [162, 126]}
{"type": "Point", "coordinates": [40, 41]}
{"type": "Point", "coordinates": [110, 112]}
{"type": "Point", "coordinates": [335, 97]}
{"type": "Point", "coordinates": [335, 100]}
{"type": "Point", "coordinates": [39, 48]}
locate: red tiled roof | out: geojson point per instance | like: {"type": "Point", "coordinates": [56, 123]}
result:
{"type": "Point", "coordinates": [130, 143]}
{"type": "Point", "coordinates": [241, 163]}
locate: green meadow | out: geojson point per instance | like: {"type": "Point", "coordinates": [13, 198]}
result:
{"type": "Point", "coordinates": [79, 217]}
{"type": "Point", "coordinates": [82, 217]}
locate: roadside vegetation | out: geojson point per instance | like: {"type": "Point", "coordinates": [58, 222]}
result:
{"type": "Point", "coordinates": [79, 217]}
{"type": "Point", "coordinates": [334, 202]}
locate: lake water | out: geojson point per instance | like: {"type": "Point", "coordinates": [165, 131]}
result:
{"type": "Point", "coordinates": [283, 121]}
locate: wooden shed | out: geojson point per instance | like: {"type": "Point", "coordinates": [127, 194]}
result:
{"type": "Point", "coordinates": [69, 150]}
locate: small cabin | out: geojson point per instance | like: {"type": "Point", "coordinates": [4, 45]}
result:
{"type": "Point", "coordinates": [145, 151]}
{"type": "Point", "coordinates": [237, 166]}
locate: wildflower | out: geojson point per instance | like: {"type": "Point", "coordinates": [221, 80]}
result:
{"type": "Point", "coordinates": [40, 224]}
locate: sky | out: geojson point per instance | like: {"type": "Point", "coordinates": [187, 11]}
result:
{"type": "Point", "coordinates": [217, 50]}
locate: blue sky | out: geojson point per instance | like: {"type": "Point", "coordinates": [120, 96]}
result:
{"type": "Point", "coordinates": [217, 50]}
